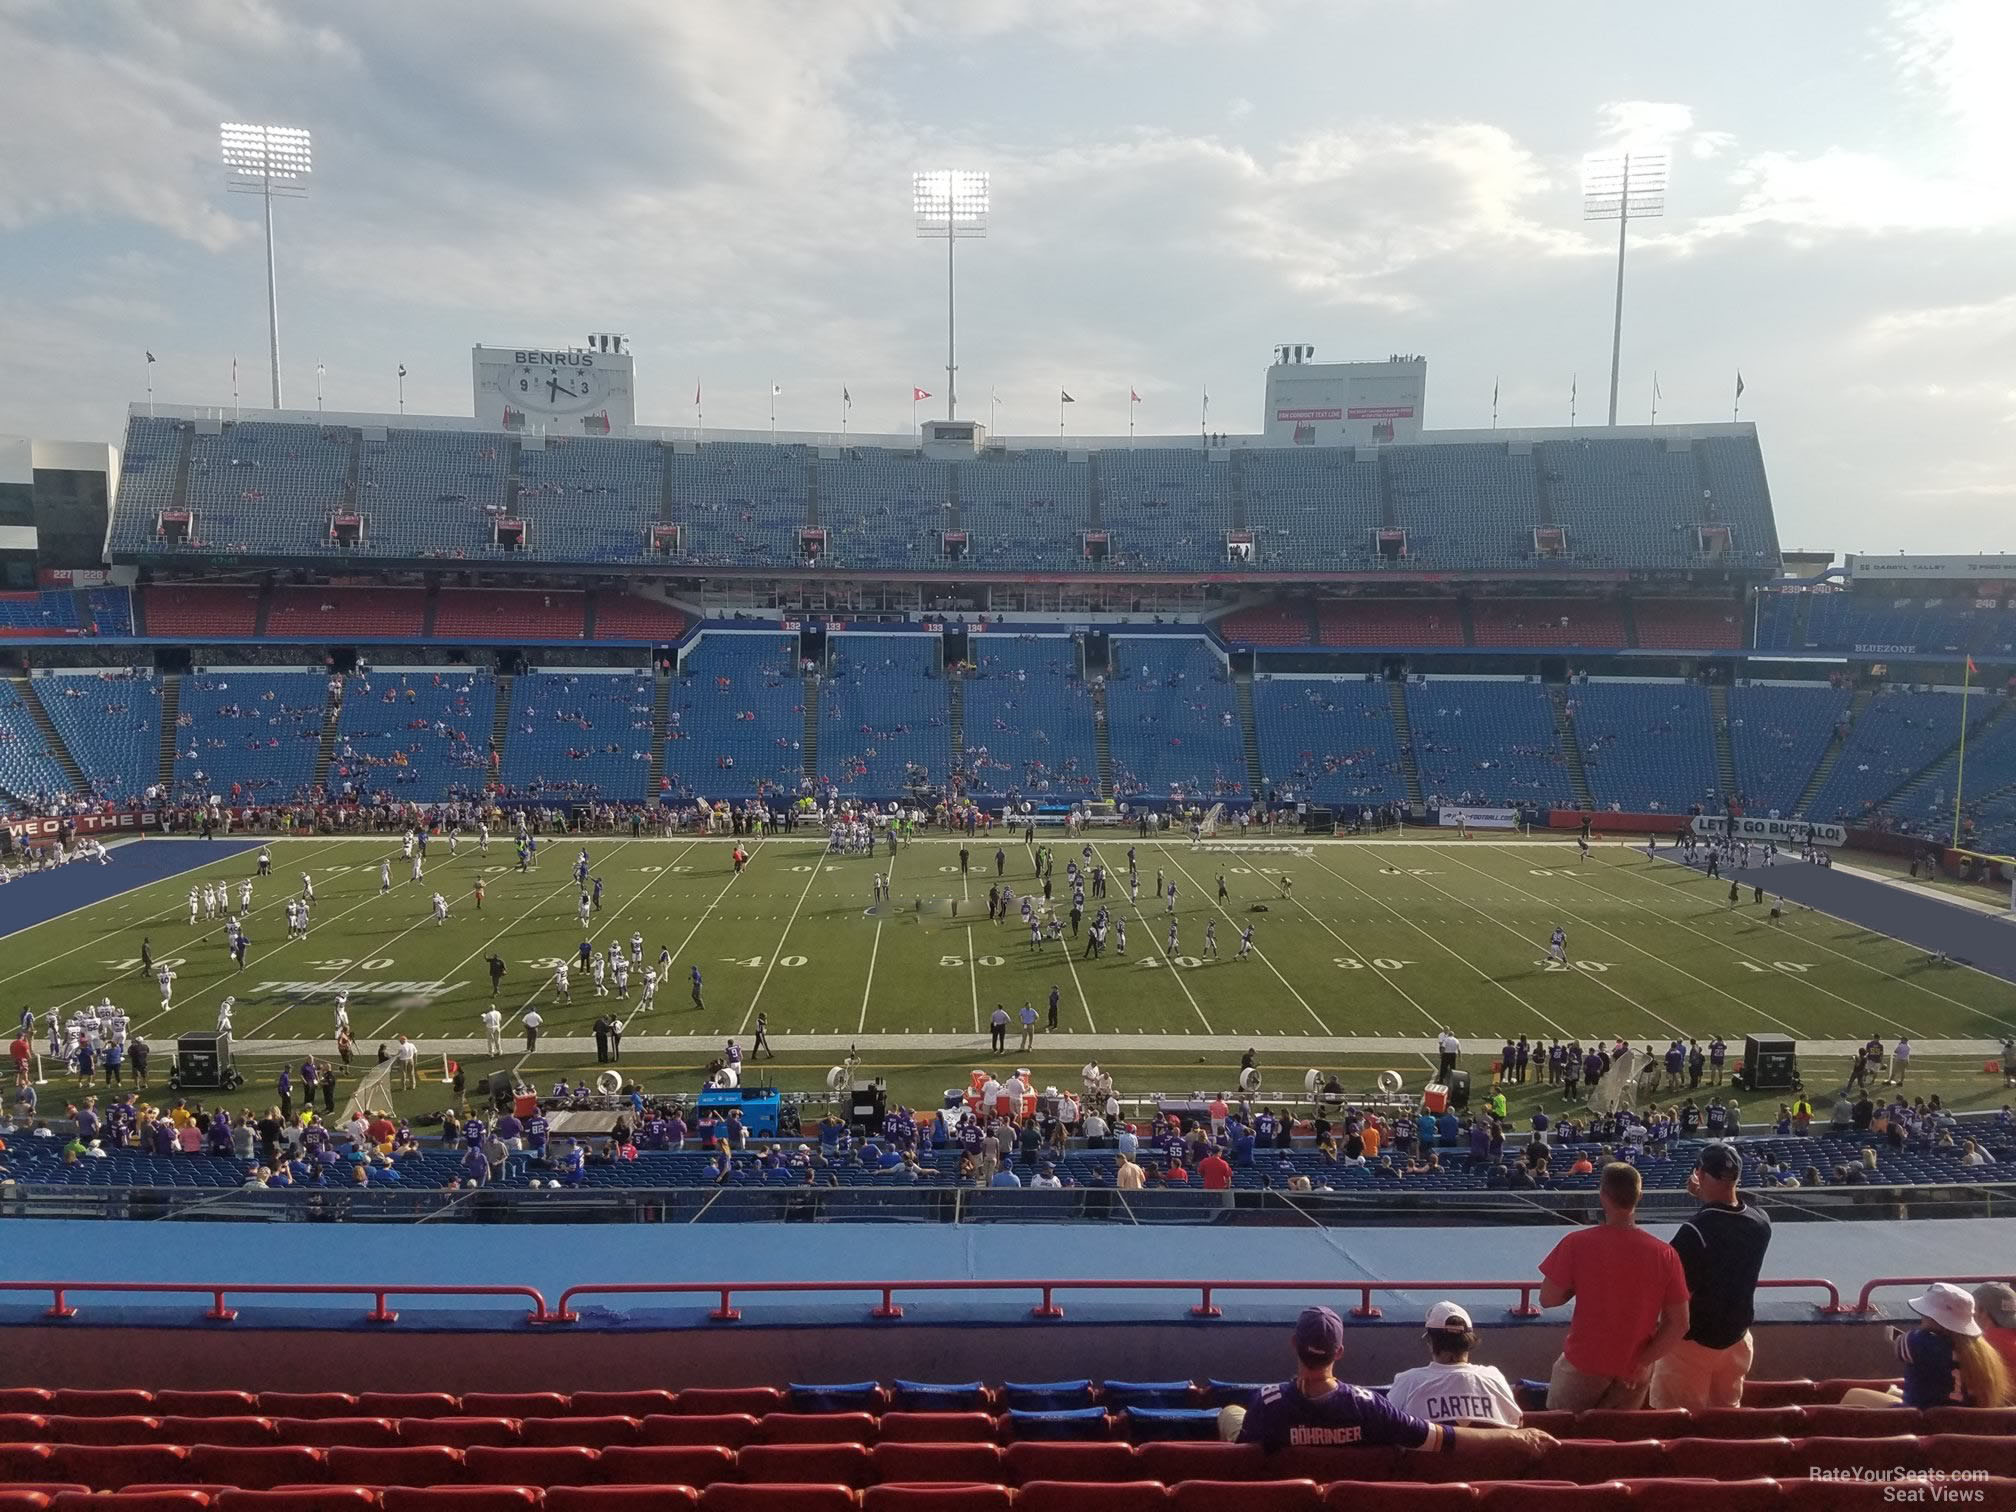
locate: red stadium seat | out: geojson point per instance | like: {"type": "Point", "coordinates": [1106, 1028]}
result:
{"type": "Point", "coordinates": [297, 1499]}
{"type": "Point", "coordinates": [937, 1427]}
{"type": "Point", "coordinates": [1171, 1463]}
{"type": "Point", "coordinates": [637, 1404]}
{"type": "Point", "coordinates": [1778, 1393]}
{"type": "Point", "coordinates": [1833, 1388]}
{"type": "Point", "coordinates": [1613, 1423]}
{"type": "Point", "coordinates": [1246, 1496]}
{"type": "Point", "coordinates": [1401, 1496]}
{"type": "Point", "coordinates": [218, 1430]}
{"type": "Point", "coordinates": [311, 1404]}
{"type": "Point", "coordinates": [23, 1501]}
{"type": "Point", "coordinates": [408, 1404]}
{"type": "Point", "coordinates": [955, 1497]}
{"type": "Point", "coordinates": [550, 1465]}
{"type": "Point", "coordinates": [1072, 1462]}
{"type": "Point", "coordinates": [1587, 1461]}
{"type": "Point", "coordinates": [23, 1428]}
{"type": "Point", "coordinates": [205, 1404]}
{"type": "Point", "coordinates": [21, 1463]}
{"type": "Point", "coordinates": [513, 1404]}
{"type": "Point", "coordinates": [595, 1432]}
{"type": "Point", "coordinates": [667, 1465]}
{"type": "Point", "coordinates": [1832, 1420]}
{"type": "Point", "coordinates": [621, 1499]}
{"type": "Point", "coordinates": [355, 1432]}
{"type": "Point", "coordinates": [65, 1429]}
{"type": "Point", "coordinates": [112, 1467]}
{"type": "Point", "coordinates": [1104, 1496]}
{"type": "Point", "coordinates": [458, 1498]}
{"type": "Point", "coordinates": [405, 1465]}
{"type": "Point", "coordinates": [1552, 1496]}
{"type": "Point", "coordinates": [731, 1428]}
{"type": "Point", "coordinates": [726, 1496]}
{"type": "Point", "coordinates": [460, 1432]}
{"type": "Point", "coordinates": [1833, 1453]}
{"type": "Point", "coordinates": [129, 1501]}
{"type": "Point", "coordinates": [899, 1461]}
{"type": "Point", "coordinates": [1786, 1421]}
{"type": "Point", "coordinates": [1994, 1453]}
{"type": "Point", "coordinates": [257, 1468]}
{"type": "Point", "coordinates": [1675, 1495]}
{"type": "Point", "coordinates": [754, 1400]}
{"type": "Point", "coordinates": [124, 1402]}
{"type": "Point", "coordinates": [816, 1428]}
{"type": "Point", "coordinates": [26, 1399]}
{"type": "Point", "coordinates": [1982, 1420]}
{"type": "Point", "coordinates": [1807, 1495]}
{"type": "Point", "coordinates": [1732, 1459]}
{"type": "Point", "coordinates": [806, 1464]}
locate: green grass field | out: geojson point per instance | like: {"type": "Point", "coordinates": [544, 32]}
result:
{"type": "Point", "coordinates": [1379, 946]}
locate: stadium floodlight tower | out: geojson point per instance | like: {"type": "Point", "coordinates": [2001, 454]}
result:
{"type": "Point", "coordinates": [1622, 187]}
{"type": "Point", "coordinates": [952, 203]}
{"type": "Point", "coordinates": [268, 161]}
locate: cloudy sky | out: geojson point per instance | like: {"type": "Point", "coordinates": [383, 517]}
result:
{"type": "Point", "coordinates": [1178, 186]}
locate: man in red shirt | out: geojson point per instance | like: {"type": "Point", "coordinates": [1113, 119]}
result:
{"type": "Point", "coordinates": [1215, 1172]}
{"type": "Point", "coordinates": [1630, 1295]}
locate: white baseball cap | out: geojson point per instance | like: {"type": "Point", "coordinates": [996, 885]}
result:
{"type": "Point", "coordinates": [1948, 1306]}
{"type": "Point", "coordinates": [1450, 1317]}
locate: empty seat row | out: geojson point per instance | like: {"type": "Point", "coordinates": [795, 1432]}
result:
{"type": "Point", "coordinates": [1572, 1462]}
{"type": "Point", "coordinates": [1272, 1495]}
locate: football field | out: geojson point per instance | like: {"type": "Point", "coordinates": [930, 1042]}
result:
{"type": "Point", "coordinates": [1362, 952]}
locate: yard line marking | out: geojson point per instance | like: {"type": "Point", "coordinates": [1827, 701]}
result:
{"type": "Point", "coordinates": [1149, 930]}
{"type": "Point", "coordinates": [503, 933]}
{"type": "Point", "coordinates": [1264, 959]}
{"type": "Point", "coordinates": [206, 935]}
{"type": "Point", "coordinates": [875, 949]}
{"type": "Point", "coordinates": [973, 978]}
{"type": "Point", "coordinates": [1433, 938]}
{"type": "Point", "coordinates": [1693, 876]}
{"type": "Point", "coordinates": [818, 870]}
{"type": "Point", "coordinates": [1641, 950]}
{"type": "Point", "coordinates": [303, 940]}
{"type": "Point", "coordinates": [595, 934]}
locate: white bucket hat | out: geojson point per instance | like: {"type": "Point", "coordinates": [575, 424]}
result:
{"type": "Point", "coordinates": [1948, 1306]}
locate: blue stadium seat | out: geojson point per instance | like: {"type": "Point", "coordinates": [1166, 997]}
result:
{"type": "Point", "coordinates": [250, 733]}
{"type": "Point", "coordinates": [422, 735]}
{"type": "Point", "coordinates": [111, 723]}
{"type": "Point", "coordinates": [1028, 719]}
{"type": "Point", "coordinates": [580, 735]}
{"type": "Point", "coordinates": [1329, 740]}
{"type": "Point", "coordinates": [1647, 747]}
{"type": "Point", "coordinates": [1778, 732]}
{"type": "Point", "coordinates": [737, 717]}
{"type": "Point", "coordinates": [885, 718]}
{"type": "Point", "coordinates": [1487, 742]}
{"type": "Point", "coordinates": [1173, 721]}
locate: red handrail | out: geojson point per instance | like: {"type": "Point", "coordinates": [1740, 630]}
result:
{"type": "Point", "coordinates": [1863, 1306]}
{"type": "Point", "coordinates": [1205, 1307]}
{"type": "Point", "coordinates": [219, 1313]}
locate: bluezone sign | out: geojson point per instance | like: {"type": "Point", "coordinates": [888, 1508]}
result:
{"type": "Point", "coordinates": [1794, 831]}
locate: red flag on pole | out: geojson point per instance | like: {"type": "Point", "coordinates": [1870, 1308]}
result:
{"type": "Point", "coordinates": [918, 393]}
{"type": "Point", "coordinates": [1132, 397]}
{"type": "Point", "coordinates": [696, 393]}
{"type": "Point", "coordinates": [1972, 670]}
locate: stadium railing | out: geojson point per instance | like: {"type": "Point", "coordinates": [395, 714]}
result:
{"type": "Point", "coordinates": [1046, 1291]}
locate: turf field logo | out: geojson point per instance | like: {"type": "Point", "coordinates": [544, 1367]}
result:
{"type": "Point", "coordinates": [1262, 849]}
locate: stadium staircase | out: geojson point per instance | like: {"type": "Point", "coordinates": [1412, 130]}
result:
{"type": "Point", "coordinates": [72, 772]}
{"type": "Point", "coordinates": [955, 688]}
{"type": "Point", "coordinates": [139, 602]}
{"type": "Point", "coordinates": [1833, 752]}
{"type": "Point", "coordinates": [264, 613]}
{"type": "Point", "coordinates": [86, 615]}
{"type": "Point", "coordinates": [325, 750]}
{"type": "Point", "coordinates": [1725, 753]}
{"type": "Point", "coordinates": [1396, 694]}
{"type": "Point", "coordinates": [185, 443]}
{"type": "Point", "coordinates": [810, 699]}
{"type": "Point", "coordinates": [1095, 514]}
{"type": "Point", "coordinates": [433, 606]}
{"type": "Point", "coordinates": [1629, 612]}
{"type": "Point", "coordinates": [500, 723]}
{"type": "Point", "coordinates": [1571, 747]}
{"type": "Point", "coordinates": [661, 721]}
{"type": "Point", "coordinates": [1238, 465]}
{"type": "Point", "coordinates": [1543, 499]}
{"type": "Point", "coordinates": [1925, 774]}
{"type": "Point", "coordinates": [171, 706]}
{"type": "Point", "coordinates": [1242, 690]}
{"type": "Point", "coordinates": [1469, 621]}
{"type": "Point", "coordinates": [1102, 742]}
{"type": "Point", "coordinates": [812, 487]}
{"type": "Point", "coordinates": [588, 618]}
{"type": "Point", "coordinates": [1389, 515]}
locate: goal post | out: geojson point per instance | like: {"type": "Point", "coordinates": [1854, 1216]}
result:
{"type": "Point", "coordinates": [1992, 864]}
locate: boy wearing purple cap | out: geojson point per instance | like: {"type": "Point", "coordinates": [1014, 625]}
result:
{"type": "Point", "coordinates": [1316, 1410]}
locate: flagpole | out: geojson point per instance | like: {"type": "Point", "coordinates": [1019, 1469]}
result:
{"type": "Point", "coordinates": [915, 428]}
{"type": "Point", "coordinates": [1573, 384]}
{"type": "Point", "coordinates": [1494, 404]}
{"type": "Point", "coordinates": [993, 408]}
{"type": "Point", "coordinates": [1655, 398]}
{"type": "Point", "coordinates": [234, 388]}
{"type": "Point", "coordinates": [773, 410]}
{"type": "Point", "coordinates": [1204, 420]}
{"type": "Point", "coordinates": [1960, 771]}
{"type": "Point", "coordinates": [150, 385]}
{"type": "Point", "coordinates": [1736, 405]}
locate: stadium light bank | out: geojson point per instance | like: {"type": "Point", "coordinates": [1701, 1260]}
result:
{"type": "Point", "coordinates": [952, 203]}
{"type": "Point", "coordinates": [1622, 187]}
{"type": "Point", "coordinates": [269, 161]}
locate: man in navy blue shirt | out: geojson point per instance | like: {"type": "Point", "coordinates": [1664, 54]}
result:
{"type": "Point", "coordinates": [1316, 1410]}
